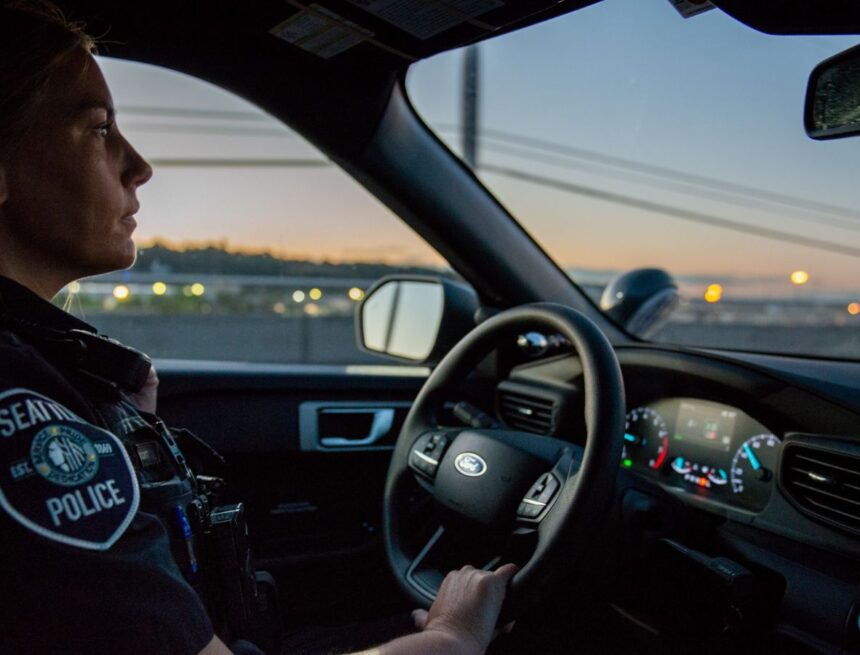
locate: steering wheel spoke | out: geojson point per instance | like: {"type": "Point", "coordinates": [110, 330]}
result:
{"type": "Point", "coordinates": [450, 547]}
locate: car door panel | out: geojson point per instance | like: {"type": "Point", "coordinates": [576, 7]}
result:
{"type": "Point", "coordinates": [296, 444]}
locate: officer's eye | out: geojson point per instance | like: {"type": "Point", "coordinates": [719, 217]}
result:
{"type": "Point", "coordinates": [104, 129]}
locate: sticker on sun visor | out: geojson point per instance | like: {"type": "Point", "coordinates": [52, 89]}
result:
{"type": "Point", "coordinates": [690, 8]}
{"type": "Point", "coordinates": [427, 18]}
{"type": "Point", "coordinates": [62, 477]}
{"type": "Point", "coordinates": [321, 32]}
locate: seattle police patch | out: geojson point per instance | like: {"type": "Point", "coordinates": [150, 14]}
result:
{"type": "Point", "coordinates": [62, 477]}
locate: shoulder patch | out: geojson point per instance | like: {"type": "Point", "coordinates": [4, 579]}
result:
{"type": "Point", "coordinates": [62, 477]}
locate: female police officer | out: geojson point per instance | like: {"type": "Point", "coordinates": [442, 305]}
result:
{"type": "Point", "coordinates": [85, 566]}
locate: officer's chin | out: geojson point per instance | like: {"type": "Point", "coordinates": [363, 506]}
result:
{"type": "Point", "coordinates": [110, 260]}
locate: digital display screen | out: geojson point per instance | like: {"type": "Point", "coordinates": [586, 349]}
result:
{"type": "Point", "coordinates": [705, 425]}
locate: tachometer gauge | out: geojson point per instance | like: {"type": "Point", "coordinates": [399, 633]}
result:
{"type": "Point", "coordinates": [645, 439]}
{"type": "Point", "coordinates": [753, 469]}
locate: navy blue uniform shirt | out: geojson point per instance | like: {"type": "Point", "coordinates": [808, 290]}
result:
{"type": "Point", "coordinates": [82, 568]}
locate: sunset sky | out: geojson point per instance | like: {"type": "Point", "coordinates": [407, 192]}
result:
{"type": "Point", "coordinates": [628, 79]}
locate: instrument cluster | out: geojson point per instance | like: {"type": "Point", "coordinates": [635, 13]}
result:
{"type": "Point", "coordinates": [708, 449]}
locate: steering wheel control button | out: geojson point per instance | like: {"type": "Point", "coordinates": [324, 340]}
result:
{"type": "Point", "coordinates": [470, 464]}
{"type": "Point", "coordinates": [530, 509]}
{"type": "Point", "coordinates": [538, 497]}
{"type": "Point", "coordinates": [428, 452]}
{"type": "Point", "coordinates": [543, 490]}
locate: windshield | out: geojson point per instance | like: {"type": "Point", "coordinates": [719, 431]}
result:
{"type": "Point", "coordinates": [624, 136]}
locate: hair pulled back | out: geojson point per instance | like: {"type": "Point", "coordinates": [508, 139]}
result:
{"type": "Point", "coordinates": [35, 38]}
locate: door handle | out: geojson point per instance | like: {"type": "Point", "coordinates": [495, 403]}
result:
{"type": "Point", "coordinates": [383, 419]}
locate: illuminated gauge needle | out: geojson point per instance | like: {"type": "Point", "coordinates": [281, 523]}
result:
{"type": "Point", "coordinates": [681, 466]}
{"type": "Point", "coordinates": [718, 476]}
{"type": "Point", "coordinates": [760, 472]}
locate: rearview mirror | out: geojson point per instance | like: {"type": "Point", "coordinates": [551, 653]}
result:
{"type": "Point", "coordinates": [833, 97]}
{"type": "Point", "coordinates": [417, 319]}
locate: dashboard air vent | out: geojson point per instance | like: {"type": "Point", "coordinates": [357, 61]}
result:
{"type": "Point", "coordinates": [525, 411]}
{"type": "Point", "coordinates": [825, 483]}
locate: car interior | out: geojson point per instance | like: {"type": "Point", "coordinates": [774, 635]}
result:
{"type": "Point", "coordinates": [657, 497]}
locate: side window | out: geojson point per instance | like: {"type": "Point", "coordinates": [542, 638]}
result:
{"type": "Point", "coordinates": [252, 246]}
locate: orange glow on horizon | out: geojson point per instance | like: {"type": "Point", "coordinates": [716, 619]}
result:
{"type": "Point", "coordinates": [428, 260]}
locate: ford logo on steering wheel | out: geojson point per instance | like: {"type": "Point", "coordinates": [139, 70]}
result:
{"type": "Point", "coordinates": [470, 464]}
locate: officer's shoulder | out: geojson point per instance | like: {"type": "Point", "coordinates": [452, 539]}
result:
{"type": "Point", "coordinates": [62, 478]}
{"type": "Point", "coordinates": [21, 360]}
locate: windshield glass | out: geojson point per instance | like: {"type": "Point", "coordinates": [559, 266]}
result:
{"type": "Point", "coordinates": [624, 136]}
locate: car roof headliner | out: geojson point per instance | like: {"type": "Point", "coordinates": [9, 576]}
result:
{"type": "Point", "coordinates": [337, 102]}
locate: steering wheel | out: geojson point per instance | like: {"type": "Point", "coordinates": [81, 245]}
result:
{"type": "Point", "coordinates": [494, 485]}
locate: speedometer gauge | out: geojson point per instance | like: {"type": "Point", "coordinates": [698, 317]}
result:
{"type": "Point", "coordinates": [753, 469]}
{"type": "Point", "coordinates": [646, 439]}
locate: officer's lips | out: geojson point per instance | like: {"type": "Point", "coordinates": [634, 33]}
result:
{"type": "Point", "coordinates": [129, 219]}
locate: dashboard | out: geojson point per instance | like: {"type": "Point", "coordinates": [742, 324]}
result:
{"type": "Point", "coordinates": [712, 432]}
{"type": "Point", "coordinates": [703, 448]}
{"type": "Point", "coordinates": [727, 458]}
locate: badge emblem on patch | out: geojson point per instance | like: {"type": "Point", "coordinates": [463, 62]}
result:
{"type": "Point", "coordinates": [62, 477]}
{"type": "Point", "coordinates": [64, 456]}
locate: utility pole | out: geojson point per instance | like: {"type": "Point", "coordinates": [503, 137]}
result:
{"type": "Point", "coordinates": [469, 108]}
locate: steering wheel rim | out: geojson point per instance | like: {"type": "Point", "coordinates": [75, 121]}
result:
{"type": "Point", "coordinates": [584, 495]}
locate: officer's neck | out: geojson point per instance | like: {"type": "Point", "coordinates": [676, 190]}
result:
{"type": "Point", "coordinates": [33, 273]}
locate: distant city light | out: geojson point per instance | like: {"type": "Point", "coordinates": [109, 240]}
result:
{"type": "Point", "coordinates": [315, 294]}
{"type": "Point", "coordinates": [854, 308]}
{"type": "Point", "coordinates": [75, 287]}
{"type": "Point", "coordinates": [355, 294]}
{"type": "Point", "coordinates": [714, 293]}
{"type": "Point", "coordinates": [121, 292]}
{"type": "Point", "coordinates": [298, 296]}
{"type": "Point", "coordinates": [279, 307]}
{"type": "Point", "coordinates": [186, 290]}
{"type": "Point", "coordinates": [197, 289]}
{"type": "Point", "coordinates": [311, 309]}
{"type": "Point", "coordinates": [799, 277]}
{"type": "Point", "coordinates": [159, 288]}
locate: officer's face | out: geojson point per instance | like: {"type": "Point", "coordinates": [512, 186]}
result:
{"type": "Point", "coordinates": [68, 196]}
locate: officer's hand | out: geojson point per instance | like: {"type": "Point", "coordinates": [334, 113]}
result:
{"type": "Point", "coordinates": [145, 399]}
{"type": "Point", "coordinates": [467, 605]}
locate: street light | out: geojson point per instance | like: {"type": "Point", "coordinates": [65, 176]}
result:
{"type": "Point", "coordinates": [714, 293]}
{"type": "Point", "coordinates": [799, 278]}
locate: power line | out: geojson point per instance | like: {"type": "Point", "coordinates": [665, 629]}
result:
{"type": "Point", "coordinates": [675, 176]}
{"type": "Point", "coordinates": [696, 217]}
{"type": "Point", "coordinates": [651, 169]}
{"type": "Point", "coordinates": [239, 163]}
{"type": "Point", "coordinates": [218, 130]}
{"type": "Point", "coordinates": [217, 114]}
{"type": "Point", "coordinates": [682, 187]}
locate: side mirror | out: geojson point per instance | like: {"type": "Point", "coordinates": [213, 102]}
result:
{"type": "Point", "coordinates": [417, 319]}
{"type": "Point", "coordinates": [640, 300]}
{"type": "Point", "coordinates": [833, 97]}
